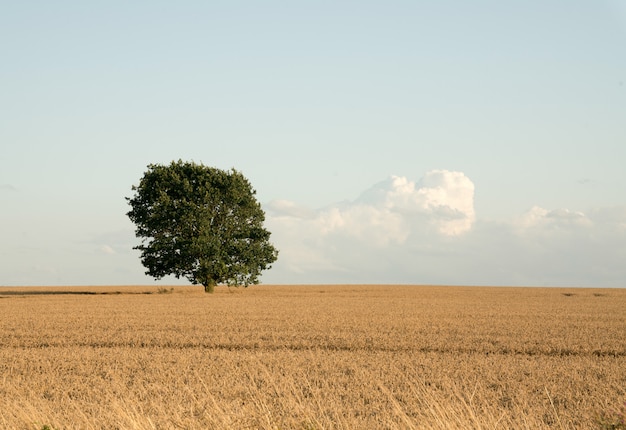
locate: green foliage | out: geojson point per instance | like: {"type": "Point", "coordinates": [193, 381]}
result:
{"type": "Point", "coordinates": [200, 223]}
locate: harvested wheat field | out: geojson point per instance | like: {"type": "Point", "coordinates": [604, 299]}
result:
{"type": "Point", "coordinates": [312, 357]}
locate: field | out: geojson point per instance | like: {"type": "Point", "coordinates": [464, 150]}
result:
{"type": "Point", "coordinates": [312, 357]}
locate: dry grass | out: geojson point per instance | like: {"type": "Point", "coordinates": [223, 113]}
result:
{"type": "Point", "coordinates": [310, 357]}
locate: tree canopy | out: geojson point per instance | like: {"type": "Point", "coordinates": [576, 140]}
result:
{"type": "Point", "coordinates": [201, 223]}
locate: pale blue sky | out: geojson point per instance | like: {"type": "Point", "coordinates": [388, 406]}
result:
{"type": "Point", "coordinates": [316, 102]}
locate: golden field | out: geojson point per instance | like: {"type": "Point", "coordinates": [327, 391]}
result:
{"type": "Point", "coordinates": [311, 357]}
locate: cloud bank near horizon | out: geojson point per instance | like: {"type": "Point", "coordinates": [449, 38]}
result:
{"type": "Point", "coordinates": [400, 231]}
{"type": "Point", "coordinates": [397, 231]}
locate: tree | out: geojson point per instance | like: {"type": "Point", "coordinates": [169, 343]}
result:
{"type": "Point", "coordinates": [201, 223]}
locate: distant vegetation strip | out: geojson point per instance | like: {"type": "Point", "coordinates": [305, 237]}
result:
{"type": "Point", "coordinates": [60, 292]}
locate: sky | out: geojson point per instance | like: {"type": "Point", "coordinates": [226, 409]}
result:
{"type": "Point", "coordinates": [413, 142]}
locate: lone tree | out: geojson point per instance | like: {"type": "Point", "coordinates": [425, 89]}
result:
{"type": "Point", "coordinates": [202, 223]}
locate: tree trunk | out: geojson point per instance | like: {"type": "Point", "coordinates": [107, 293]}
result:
{"type": "Point", "coordinates": [209, 287]}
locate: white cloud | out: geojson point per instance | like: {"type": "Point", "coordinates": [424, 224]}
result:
{"type": "Point", "coordinates": [106, 249]}
{"type": "Point", "coordinates": [378, 226]}
{"type": "Point", "coordinates": [556, 218]}
{"type": "Point", "coordinates": [387, 213]}
{"type": "Point", "coordinates": [446, 198]}
{"type": "Point", "coordinates": [566, 247]}
{"type": "Point", "coordinates": [400, 231]}
{"type": "Point", "coordinates": [335, 239]}
{"type": "Point", "coordinates": [614, 216]}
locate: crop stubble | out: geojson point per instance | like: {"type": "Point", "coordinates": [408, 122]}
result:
{"type": "Point", "coordinates": [311, 357]}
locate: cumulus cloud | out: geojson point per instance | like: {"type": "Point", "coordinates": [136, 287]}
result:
{"type": "Point", "coordinates": [336, 239]}
{"type": "Point", "coordinates": [427, 231]}
{"type": "Point", "coordinates": [445, 198]}
{"type": "Point", "coordinates": [385, 213]}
